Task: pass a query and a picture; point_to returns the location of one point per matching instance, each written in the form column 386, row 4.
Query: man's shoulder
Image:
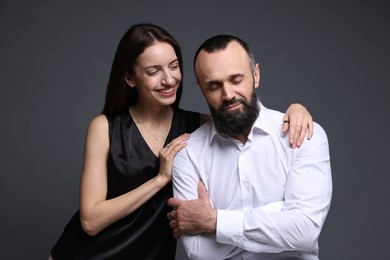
column 269, row 121
column 276, row 119
column 199, row 140
column 274, row 115
column 203, row 132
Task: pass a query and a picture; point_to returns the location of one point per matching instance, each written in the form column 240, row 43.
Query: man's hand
column 192, row 217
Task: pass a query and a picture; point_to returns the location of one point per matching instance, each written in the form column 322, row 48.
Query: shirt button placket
column 244, row 181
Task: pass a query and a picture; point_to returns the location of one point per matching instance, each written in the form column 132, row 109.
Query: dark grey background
column 55, row 58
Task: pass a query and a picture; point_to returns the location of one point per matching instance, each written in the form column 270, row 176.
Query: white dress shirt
column 271, row 200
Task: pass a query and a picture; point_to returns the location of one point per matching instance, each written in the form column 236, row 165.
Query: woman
column 126, row 172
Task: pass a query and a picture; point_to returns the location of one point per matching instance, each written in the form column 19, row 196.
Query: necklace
column 150, row 132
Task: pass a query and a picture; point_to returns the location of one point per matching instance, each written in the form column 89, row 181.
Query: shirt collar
column 263, row 122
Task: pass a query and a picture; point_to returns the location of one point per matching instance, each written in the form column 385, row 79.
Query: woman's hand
column 167, row 154
column 299, row 121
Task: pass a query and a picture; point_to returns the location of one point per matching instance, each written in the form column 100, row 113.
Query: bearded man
column 241, row 191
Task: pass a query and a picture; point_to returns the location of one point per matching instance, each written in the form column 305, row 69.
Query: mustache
column 230, row 102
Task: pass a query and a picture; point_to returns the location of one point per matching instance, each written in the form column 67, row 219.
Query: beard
column 236, row 122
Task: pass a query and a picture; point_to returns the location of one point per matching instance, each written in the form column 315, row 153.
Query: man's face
column 228, row 85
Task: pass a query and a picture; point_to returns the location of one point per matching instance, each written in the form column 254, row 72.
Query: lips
column 167, row 91
column 232, row 106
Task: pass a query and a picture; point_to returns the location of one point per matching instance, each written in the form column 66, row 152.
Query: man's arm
column 295, row 227
column 307, row 198
column 193, row 217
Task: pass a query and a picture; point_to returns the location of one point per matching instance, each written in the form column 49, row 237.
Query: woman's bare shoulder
column 98, row 124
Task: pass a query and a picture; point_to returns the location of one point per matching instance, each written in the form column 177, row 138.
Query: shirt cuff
column 230, row 227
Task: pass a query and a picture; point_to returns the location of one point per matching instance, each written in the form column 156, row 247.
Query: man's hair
column 220, row 42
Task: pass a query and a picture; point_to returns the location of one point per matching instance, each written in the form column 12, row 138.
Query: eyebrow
column 236, row 75
column 157, row 66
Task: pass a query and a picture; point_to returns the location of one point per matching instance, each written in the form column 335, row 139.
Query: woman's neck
column 151, row 115
column 153, row 124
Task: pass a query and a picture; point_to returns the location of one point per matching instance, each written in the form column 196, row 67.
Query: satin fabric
column 144, row 234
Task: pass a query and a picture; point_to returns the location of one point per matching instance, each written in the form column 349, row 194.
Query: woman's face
column 157, row 75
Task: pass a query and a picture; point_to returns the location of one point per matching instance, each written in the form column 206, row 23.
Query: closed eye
column 213, row 86
column 174, row 65
column 236, row 79
column 151, row 71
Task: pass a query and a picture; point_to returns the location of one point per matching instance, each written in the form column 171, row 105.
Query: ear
column 129, row 80
column 257, row 75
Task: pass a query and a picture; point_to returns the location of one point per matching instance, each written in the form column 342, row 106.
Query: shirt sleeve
column 184, row 177
column 297, row 225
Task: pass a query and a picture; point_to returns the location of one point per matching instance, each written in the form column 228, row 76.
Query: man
column 241, row 191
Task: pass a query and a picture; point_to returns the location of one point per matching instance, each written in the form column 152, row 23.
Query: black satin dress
column 145, row 233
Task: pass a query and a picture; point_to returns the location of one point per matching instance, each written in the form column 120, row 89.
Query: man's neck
column 243, row 137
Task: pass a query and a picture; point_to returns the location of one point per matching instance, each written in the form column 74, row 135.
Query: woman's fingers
column 176, row 144
column 168, row 152
column 299, row 125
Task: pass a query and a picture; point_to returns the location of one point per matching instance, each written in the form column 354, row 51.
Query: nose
column 228, row 92
column 167, row 79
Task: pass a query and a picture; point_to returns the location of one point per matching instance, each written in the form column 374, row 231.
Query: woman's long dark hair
column 118, row 95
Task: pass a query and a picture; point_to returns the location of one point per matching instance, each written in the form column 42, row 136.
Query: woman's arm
column 96, row 212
